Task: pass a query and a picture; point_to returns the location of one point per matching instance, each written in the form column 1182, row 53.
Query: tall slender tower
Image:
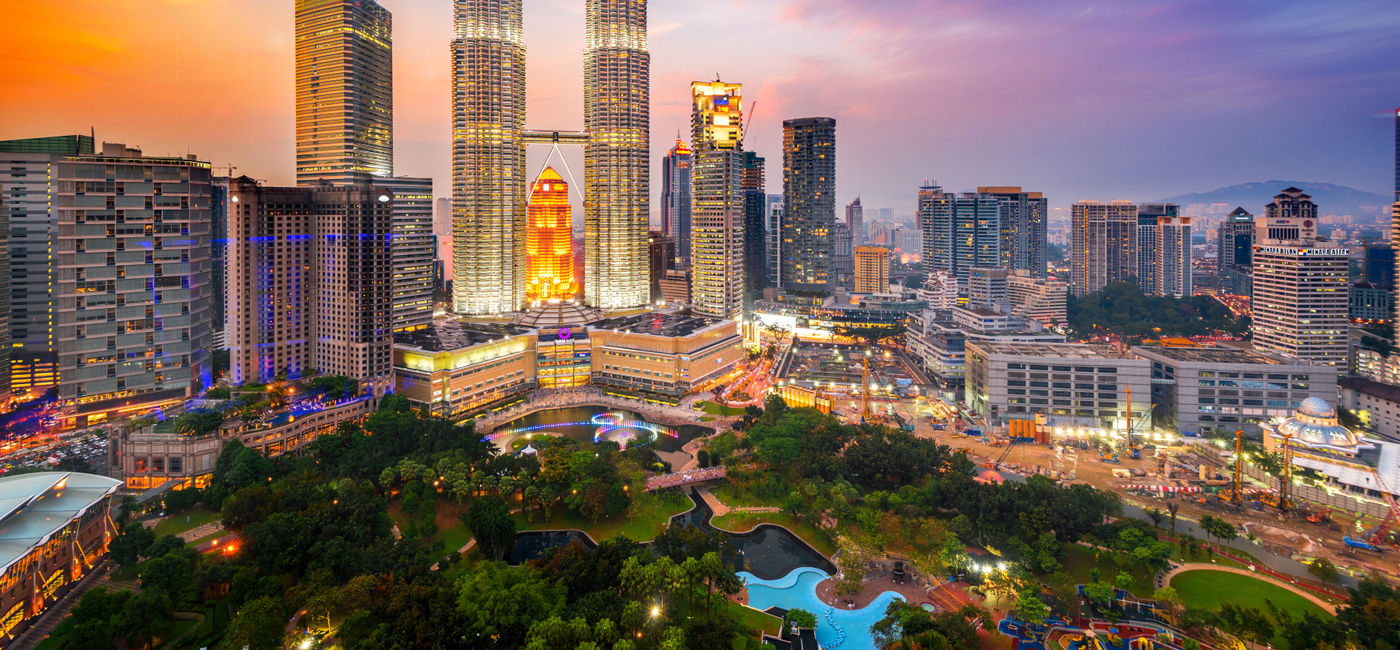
column 717, row 234
column 616, row 115
column 675, row 201
column 809, row 211
column 344, row 91
column 488, row 158
column 550, row 241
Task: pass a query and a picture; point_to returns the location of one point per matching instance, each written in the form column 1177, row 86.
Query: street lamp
column 655, row 611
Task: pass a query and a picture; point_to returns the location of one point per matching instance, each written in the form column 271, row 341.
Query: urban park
column 594, row 526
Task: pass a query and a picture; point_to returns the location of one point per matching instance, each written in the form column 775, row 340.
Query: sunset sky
column 1128, row 99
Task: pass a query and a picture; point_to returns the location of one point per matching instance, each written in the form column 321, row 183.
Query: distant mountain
column 1330, row 199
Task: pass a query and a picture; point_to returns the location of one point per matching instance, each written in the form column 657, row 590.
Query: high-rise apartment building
column 1300, row 301
column 1173, row 249
column 809, row 210
column 1145, row 239
column 131, row 282
column 1102, row 244
column 488, row 157
column 344, row 91
column 774, row 247
column 549, row 245
column 309, row 282
column 872, row 269
column 752, row 183
column 1395, row 213
column 855, row 220
column 676, row 201
column 1291, row 217
column 617, row 171
column 1023, row 234
column 717, row 233
column 30, row 186
column 412, row 245
column 960, row 231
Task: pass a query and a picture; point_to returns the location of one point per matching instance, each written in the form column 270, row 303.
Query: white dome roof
column 1316, row 407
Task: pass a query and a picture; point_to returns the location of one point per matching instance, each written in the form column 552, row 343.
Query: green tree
column 504, row 601
column 127, row 548
column 258, row 625
column 489, row 520
column 802, row 618
column 145, row 618
column 1323, row 569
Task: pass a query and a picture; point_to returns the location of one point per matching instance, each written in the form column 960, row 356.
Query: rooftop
column 657, row 324
column 1373, row 388
column 1051, row 350
column 1215, row 355
column 35, row 506
column 453, row 334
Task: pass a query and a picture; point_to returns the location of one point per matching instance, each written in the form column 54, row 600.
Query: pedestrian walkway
column 200, row 531
column 720, row 509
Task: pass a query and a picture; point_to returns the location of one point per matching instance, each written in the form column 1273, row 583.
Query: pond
column 596, row 424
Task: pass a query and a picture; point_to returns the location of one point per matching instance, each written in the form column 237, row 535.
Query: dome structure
column 1314, row 424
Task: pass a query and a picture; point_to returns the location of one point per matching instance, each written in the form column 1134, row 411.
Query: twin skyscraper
column 489, row 175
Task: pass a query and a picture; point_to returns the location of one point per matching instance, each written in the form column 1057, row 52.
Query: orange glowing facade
column 549, row 240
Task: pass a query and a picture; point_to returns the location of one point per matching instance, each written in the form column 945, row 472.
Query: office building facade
column 752, row 183
column 617, row 168
column 344, row 91
column 412, row 244
column 676, row 201
column 549, row 244
column 843, row 260
column 773, row 250
column 1291, row 217
column 132, row 290
column 1069, row 384
column 1023, row 234
column 1102, row 244
column 809, row 203
column 717, row 215
column 855, row 220
column 309, row 282
column 872, row 269
column 1300, row 302
column 661, row 256
column 1235, row 250
column 488, row 157
column 29, row 185
column 987, row 288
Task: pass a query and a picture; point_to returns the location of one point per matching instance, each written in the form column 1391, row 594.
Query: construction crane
column 1285, row 485
column 1372, row 539
column 1235, row 492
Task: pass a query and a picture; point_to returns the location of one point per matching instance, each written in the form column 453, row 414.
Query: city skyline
column 1207, row 102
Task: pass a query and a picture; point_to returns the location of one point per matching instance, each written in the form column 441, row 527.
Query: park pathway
column 721, row 509
column 1166, row 579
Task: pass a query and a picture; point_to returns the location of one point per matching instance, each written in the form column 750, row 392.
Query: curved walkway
column 548, row 398
column 719, row 508
column 1166, row 579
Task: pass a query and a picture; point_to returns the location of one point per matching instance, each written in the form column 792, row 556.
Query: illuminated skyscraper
column 616, row 115
column 751, row 182
column 488, row 158
column 675, row 201
column 344, row 91
column 412, row 246
column 1023, row 218
column 717, row 233
column 809, row 211
column 549, row 244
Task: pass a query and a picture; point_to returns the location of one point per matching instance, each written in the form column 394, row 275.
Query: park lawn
column 1079, row 560
column 738, row 497
column 739, row 522
column 1210, row 589
column 754, row 619
column 176, row 524
column 719, row 409
column 645, row 519
column 450, row 530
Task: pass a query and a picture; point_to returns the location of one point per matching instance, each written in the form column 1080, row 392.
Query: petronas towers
column 489, row 177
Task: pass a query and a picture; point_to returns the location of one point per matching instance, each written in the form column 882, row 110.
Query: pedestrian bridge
column 688, row 477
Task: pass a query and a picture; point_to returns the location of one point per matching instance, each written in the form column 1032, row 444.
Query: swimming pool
column 836, row 628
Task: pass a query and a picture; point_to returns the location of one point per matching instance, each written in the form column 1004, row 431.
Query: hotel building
column 308, row 282
column 412, row 253
column 1300, row 302
column 872, row 269
column 717, row 240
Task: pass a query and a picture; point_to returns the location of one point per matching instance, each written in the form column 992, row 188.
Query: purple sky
column 1127, row 99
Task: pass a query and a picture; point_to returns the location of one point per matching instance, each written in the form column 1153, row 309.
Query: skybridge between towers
column 535, row 136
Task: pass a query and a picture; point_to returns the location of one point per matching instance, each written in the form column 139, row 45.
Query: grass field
column 1211, row 589
column 647, row 517
column 176, row 523
column 718, row 409
column 1080, row 560
column 739, row 522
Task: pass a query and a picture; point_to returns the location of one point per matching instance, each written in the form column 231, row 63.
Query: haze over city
column 1135, row 100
